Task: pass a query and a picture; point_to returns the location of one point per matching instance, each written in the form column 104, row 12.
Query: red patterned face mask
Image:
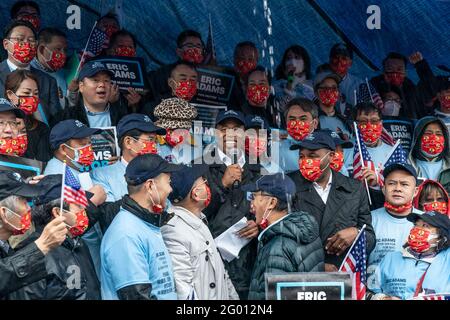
column 57, row 60
column 337, row 161
column 398, row 209
column 395, row 78
column 193, row 55
column 28, row 105
column 419, row 239
column 310, row 168
column 124, row 51
column 149, row 147
column 245, row 66
column 24, row 52
column 186, row 89
column 370, row 132
column 432, row 144
column 328, row 96
column 9, row 146
column 298, row 130
column 174, row 138
column 33, row 19
column 25, row 223
column 82, row 223
column 255, row 146
column 340, row 65
column 84, row 155
column 445, row 102
column 22, row 144
column 440, row 207
column 258, row 94
column 110, row 29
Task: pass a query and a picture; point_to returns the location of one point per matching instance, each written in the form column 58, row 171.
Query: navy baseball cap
column 183, row 180
column 315, row 141
column 321, row 76
column 400, row 166
column 341, row 49
column 91, row 68
column 69, row 129
column 230, row 114
column 140, row 122
column 12, row 184
column 254, row 121
column 338, row 141
column 436, row 219
column 147, row 166
column 5, row 106
column 278, row 185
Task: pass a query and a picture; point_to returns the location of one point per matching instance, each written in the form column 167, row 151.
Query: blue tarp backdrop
column 406, row 26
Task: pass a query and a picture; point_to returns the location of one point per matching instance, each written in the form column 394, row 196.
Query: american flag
column 367, row 93
column 96, row 43
column 356, row 264
column 445, row 296
column 398, row 155
column 72, row 189
column 358, row 152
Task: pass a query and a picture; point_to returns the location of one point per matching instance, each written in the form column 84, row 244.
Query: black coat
column 18, row 269
column 347, row 206
column 63, row 264
column 291, row 245
column 227, row 207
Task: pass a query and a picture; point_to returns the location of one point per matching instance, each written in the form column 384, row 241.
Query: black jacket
column 18, row 269
column 64, row 265
column 117, row 111
column 38, row 143
column 347, row 206
column 227, row 207
column 291, row 245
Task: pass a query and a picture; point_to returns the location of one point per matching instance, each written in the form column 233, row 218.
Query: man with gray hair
column 27, row 265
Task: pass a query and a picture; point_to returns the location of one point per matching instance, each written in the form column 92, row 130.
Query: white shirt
column 323, row 193
column 13, row 67
column 228, row 161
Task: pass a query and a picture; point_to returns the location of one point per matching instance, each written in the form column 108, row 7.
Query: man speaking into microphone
column 229, row 204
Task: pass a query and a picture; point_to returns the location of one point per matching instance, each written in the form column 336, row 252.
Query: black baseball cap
column 230, row 114
column 443, row 83
column 278, row 185
column 5, row 106
column 315, row 141
column 341, row 49
column 69, row 129
column 147, row 166
column 436, row 219
column 400, row 166
column 140, row 122
column 12, row 184
column 255, row 121
column 91, row 68
column 182, row 180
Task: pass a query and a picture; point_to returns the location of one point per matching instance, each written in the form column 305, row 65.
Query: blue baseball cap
column 91, row 68
column 5, row 106
column 315, row 141
column 278, row 185
column 254, row 121
column 182, row 181
column 230, row 114
column 140, row 122
column 400, row 166
column 69, row 129
column 147, row 166
column 341, row 49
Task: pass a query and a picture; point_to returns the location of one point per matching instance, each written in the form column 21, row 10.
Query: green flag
column 71, row 67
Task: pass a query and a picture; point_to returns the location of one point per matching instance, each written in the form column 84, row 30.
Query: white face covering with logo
column 391, row 108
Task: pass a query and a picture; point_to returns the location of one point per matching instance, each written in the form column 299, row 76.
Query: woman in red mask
column 21, row 88
column 432, row 196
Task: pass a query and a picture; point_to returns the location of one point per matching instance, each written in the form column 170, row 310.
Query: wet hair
column 427, row 189
column 20, row 4
column 394, row 55
column 46, row 35
column 305, row 104
column 41, row 215
column 298, row 50
column 185, row 34
column 242, row 45
column 17, row 23
column 122, row 33
column 365, row 107
column 259, row 69
column 181, row 63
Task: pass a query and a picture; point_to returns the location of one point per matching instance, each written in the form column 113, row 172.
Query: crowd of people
column 283, row 161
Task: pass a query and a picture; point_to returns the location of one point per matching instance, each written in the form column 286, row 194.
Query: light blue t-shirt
column 398, row 275
column 56, row 166
column 181, row 154
column 378, row 154
column 99, row 119
column 347, row 87
column 112, row 179
column 286, row 159
column 133, row 252
column 332, row 123
column 429, row 169
column 391, row 234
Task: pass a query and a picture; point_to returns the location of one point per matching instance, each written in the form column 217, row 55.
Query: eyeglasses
column 21, row 40
column 152, row 139
column 12, row 124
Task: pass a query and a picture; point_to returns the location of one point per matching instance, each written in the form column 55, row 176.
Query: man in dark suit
column 339, row 204
column 19, row 40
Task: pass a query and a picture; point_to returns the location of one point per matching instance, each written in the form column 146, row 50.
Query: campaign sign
column 25, row 167
column 402, row 129
column 309, row 286
column 105, row 146
column 128, row 72
column 214, row 85
column 207, row 115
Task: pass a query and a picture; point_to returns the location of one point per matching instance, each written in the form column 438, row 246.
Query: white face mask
column 391, row 108
column 299, row 65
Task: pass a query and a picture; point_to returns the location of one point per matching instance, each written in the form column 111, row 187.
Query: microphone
column 234, row 158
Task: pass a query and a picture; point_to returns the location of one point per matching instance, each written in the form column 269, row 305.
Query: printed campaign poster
column 402, row 129
column 309, row 286
column 25, row 167
column 214, row 85
column 207, row 115
column 128, row 72
column 105, row 147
